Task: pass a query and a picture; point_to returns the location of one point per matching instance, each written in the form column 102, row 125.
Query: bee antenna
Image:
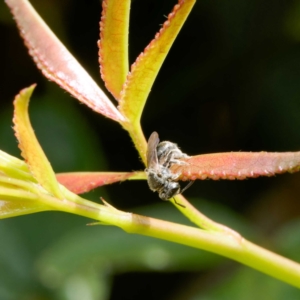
column 187, row 186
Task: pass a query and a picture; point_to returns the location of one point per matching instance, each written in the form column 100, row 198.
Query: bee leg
column 175, row 157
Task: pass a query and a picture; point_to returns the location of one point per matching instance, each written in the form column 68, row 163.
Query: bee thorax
column 160, row 157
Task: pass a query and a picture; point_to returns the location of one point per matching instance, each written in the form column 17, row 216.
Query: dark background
column 231, row 82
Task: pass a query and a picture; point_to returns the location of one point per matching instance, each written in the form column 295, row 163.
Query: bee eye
column 175, row 190
column 163, row 196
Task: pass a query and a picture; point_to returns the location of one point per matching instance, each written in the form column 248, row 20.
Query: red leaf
column 57, row 63
column 237, row 165
column 82, row 182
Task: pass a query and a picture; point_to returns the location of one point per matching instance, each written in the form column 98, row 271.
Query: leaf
column 56, row 62
column 246, row 284
column 17, row 198
column 17, row 188
column 144, row 71
column 14, row 167
column 237, row 165
column 286, row 240
column 9, row 209
column 113, row 44
column 31, row 150
column 83, row 182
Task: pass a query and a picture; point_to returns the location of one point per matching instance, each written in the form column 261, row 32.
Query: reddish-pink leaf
column 57, row 63
column 82, row 182
column 237, row 165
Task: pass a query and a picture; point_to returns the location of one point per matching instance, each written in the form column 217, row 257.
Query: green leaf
column 14, row 208
column 113, row 44
column 146, row 67
column 287, row 239
column 17, row 195
column 31, row 150
column 246, row 284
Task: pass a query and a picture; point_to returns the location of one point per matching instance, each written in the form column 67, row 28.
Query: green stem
column 195, row 216
column 228, row 245
column 136, row 133
column 237, row 249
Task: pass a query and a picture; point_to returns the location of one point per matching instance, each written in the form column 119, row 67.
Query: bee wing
column 153, row 141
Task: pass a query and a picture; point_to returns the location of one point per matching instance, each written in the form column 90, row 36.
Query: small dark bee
column 160, row 157
column 168, row 154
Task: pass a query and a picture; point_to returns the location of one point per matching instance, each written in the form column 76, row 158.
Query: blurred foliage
column 233, row 78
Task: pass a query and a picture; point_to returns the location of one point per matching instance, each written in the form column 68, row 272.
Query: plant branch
column 137, row 136
column 230, row 246
column 196, row 217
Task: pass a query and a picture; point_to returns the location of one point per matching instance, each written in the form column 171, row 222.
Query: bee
column 160, row 157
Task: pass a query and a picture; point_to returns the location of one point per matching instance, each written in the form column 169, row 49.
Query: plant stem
column 200, row 219
column 217, row 240
column 136, row 133
column 228, row 245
